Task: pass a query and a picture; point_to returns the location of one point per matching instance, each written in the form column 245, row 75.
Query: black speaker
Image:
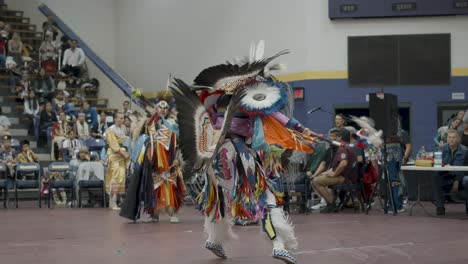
column 383, row 108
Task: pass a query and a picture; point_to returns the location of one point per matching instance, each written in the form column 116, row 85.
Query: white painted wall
column 157, row 37
column 145, row 40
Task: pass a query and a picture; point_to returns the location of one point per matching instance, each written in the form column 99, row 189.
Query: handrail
column 91, row 55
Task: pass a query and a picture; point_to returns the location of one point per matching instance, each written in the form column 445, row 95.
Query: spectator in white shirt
column 73, row 59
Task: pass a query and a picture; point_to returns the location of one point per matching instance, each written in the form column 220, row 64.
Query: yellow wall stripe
column 318, row 75
column 330, row 75
column 460, row 72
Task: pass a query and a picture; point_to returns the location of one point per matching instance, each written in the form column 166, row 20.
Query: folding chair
column 61, row 167
column 4, row 184
column 28, row 168
column 90, row 184
column 95, row 144
column 350, row 191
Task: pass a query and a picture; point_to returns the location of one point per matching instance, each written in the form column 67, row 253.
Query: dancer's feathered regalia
column 228, row 119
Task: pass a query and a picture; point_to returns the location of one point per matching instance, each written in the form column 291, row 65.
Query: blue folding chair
column 4, row 184
column 95, row 144
column 28, row 168
column 61, row 167
column 91, row 184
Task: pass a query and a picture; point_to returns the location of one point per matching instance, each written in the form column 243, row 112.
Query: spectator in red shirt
column 341, row 171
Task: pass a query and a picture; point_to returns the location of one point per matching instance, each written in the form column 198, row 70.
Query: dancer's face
column 162, row 112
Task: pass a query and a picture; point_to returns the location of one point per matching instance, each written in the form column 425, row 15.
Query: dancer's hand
column 307, row 132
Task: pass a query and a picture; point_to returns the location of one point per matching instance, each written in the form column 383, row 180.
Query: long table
column 430, row 171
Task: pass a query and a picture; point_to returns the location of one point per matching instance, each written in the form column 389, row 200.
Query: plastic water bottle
column 421, row 153
column 437, row 159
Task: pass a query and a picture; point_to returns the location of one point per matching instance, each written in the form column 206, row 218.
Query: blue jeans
column 441, row 184
column 393, row 168
column 2, row 60
column 464, row 183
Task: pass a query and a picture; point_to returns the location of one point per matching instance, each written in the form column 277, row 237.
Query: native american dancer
column 157, row 177
column 227, row 121
column 117, row 160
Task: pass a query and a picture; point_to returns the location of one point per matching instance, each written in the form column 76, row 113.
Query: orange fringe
column 275, row 133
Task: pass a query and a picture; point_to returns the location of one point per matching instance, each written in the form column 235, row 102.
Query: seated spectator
column 81, row 127
column 453, row 153
column 91, row 115
column 128, row 126
column 340, row 172
column 63, row 45
column 460, row 116
column 60, row 132
column 13, row 80
column 50, row 28
column 31, row 110
column 441, row 137
column 48, row 118
column 2, row 30
column 81, row 155
column 15, row 48
column 102, row 126
column 44, row 85
column 85, row 167
column 126, row 111
column 59, row 101
column 4, row 124
column 71, row 145
column 464, row 140
column 320, row 161
column 3, row 43
column 27, row 155
column 340, row 122
column 73, row 60
column 48, row 49
column 8, row 157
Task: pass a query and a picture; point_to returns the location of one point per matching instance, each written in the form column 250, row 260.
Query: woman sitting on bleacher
column 44, row 85
column 15, row 48
column 60, row 132
column 81, row 127
column 48, row 50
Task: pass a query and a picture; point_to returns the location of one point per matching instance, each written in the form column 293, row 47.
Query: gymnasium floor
column 66, row 236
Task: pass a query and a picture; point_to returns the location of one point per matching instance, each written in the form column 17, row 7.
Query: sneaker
column 318, row 206
column 150, row 219
column 401, row 210
column 216, row 249
column 284, row 256
column 244, row 222
column 174, row 220
column 330, row 208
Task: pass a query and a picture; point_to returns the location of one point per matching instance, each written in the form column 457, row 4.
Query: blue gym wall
column 423, row 101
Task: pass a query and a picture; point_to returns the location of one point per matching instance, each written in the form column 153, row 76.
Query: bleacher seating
column 31, row 35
